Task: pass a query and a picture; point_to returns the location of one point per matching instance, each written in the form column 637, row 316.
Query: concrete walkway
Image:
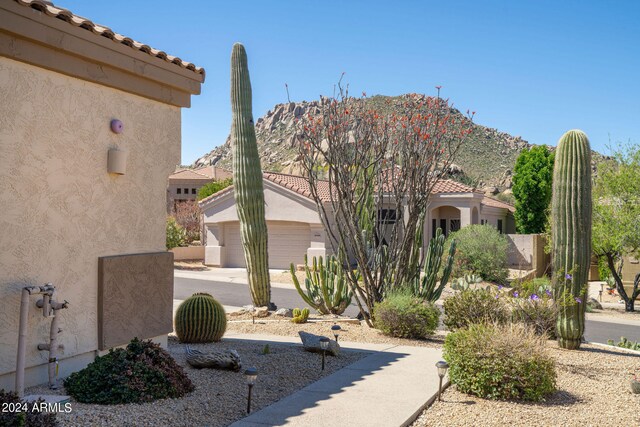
column 389, row 387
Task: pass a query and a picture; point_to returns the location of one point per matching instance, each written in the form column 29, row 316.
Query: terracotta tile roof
column 206, row 173
column 50, row 9
column 450, row 186
column 189, row 174
column 299, row 184
column 495, row 203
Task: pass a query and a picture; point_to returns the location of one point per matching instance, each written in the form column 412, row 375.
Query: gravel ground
column 220, row 396
column 350, row 332
column 593, row 390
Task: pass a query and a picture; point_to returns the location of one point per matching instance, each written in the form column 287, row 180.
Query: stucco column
column 465, row 216
column 214, row 251
column 317, row 246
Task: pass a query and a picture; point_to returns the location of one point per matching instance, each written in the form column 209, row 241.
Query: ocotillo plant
column 571, row 234
column 247, row 180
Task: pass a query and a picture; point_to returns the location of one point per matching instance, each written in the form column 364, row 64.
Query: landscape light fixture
column 442, row 371
column 336, row 331
column 324, row 345
column 250, row 375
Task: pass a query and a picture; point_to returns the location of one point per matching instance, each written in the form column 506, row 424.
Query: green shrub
column 176, row 235
column 500, row 362
column 538, row 286
column 213, row 187
column 474, row 306
column 537, row 312
column 481, row 250
column 404, row 316
column 142, row 372
column 21, row 413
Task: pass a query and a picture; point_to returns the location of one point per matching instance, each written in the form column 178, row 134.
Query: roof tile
column 50, row 9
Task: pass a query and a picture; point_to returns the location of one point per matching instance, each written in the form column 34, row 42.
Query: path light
column 250, row 375
column 324, row 345
column 442, row 371
column 336, row 331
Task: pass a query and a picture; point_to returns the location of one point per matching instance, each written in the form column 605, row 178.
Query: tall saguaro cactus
column 571, row 234
column 247, row 180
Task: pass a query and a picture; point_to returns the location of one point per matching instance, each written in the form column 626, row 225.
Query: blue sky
column 529, row 68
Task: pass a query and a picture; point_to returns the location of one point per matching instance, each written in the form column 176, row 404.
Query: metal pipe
column 22, row 339
column 53, row 351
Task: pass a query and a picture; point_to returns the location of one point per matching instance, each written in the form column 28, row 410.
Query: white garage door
column 288, row 243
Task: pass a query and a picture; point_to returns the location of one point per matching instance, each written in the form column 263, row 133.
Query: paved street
column 237, row 294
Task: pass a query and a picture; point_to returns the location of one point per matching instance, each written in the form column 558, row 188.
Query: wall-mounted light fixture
column 117, row 161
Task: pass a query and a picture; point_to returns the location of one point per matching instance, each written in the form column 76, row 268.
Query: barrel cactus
column 200, row 318
column 247, row 180
column 571, row 234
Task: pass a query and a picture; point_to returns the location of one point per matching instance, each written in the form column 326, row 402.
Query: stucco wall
column 61, row 210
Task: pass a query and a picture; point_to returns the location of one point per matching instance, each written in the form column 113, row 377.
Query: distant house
column 295, row 228
column 184, row 184
column 89, row 132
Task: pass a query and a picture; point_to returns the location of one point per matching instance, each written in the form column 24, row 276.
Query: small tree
column 379, row 162
column 616, row 215
column 188, row 217
column 532, row 181
column 213, row 187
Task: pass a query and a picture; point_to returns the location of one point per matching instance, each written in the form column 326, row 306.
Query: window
column 387, row 216
column 443, row 225
column 186, row 191
column 179, row 191
column 193, row 191
column 483, row 221
column 454, row 225
column 434, row 226
column 500, row 226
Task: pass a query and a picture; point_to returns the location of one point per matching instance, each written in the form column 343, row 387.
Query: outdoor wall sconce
column 251, row 375
column 324, row 345
column 336, row 331
column 117, row 161
column 442, row 371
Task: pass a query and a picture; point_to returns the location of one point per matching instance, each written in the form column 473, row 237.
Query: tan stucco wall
column 61, row 210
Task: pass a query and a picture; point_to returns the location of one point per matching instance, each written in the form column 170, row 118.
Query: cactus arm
column 296, row 283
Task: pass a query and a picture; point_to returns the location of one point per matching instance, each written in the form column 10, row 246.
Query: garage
column 288, row 242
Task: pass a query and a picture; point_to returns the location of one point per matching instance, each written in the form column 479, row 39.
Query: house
column 89, row 132
column 185, row 183
column 295, row 228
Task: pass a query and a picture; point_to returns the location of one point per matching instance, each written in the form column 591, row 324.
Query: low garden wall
column 526, row 252
column 188, row 253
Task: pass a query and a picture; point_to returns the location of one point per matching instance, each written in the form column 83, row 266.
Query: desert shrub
column 15, row 412
column 500, row 362
column 481, row 250
column 176, row 235
column 404, row 316
column 537, row 312
column 142, row 372
column 187, row 215
column 213, row 187
column 539, row 286
column 474, row 306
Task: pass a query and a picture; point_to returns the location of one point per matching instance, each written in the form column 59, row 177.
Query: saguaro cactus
column 571, row 234
column 247, row 180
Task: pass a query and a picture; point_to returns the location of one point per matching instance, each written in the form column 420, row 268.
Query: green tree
column 532, row 178
column 616, row 214
column 213, row 187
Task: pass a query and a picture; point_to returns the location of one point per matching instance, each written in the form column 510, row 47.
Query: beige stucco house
column 295, row 228
column 98, row 237
column 184, row 184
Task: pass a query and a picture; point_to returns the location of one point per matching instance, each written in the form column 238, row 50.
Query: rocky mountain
column 485, row 160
